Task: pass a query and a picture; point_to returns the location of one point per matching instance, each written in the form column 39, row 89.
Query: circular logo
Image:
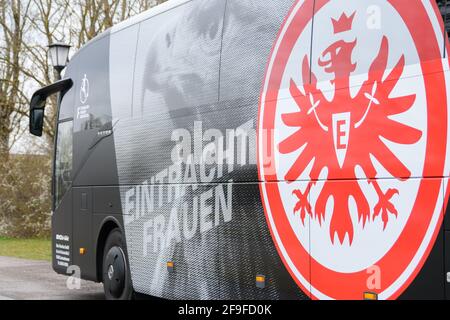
column 352, row 144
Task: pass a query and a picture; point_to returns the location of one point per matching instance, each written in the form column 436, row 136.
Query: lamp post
column 59, row 56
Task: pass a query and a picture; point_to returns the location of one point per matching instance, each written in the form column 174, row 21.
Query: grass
column 35, row 249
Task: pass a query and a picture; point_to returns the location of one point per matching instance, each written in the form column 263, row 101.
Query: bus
column 241, row 149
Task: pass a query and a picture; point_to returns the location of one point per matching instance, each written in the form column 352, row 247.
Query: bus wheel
column 116, row 274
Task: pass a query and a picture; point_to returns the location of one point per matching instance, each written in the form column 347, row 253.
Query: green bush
column 25, row 196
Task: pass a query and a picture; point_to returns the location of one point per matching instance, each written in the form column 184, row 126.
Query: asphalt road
column 35, row 280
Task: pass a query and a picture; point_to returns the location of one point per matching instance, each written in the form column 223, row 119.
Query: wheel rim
column 115, row 272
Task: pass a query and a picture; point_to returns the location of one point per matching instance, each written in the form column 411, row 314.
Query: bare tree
column 49, row 20
column 13, row 27
column 75, row 22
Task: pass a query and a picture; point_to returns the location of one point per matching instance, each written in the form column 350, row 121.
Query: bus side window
column 178, row 56
column 121, row 68
column 92, row 95
column 444, row 7
column 63, row 160
column 67, row 100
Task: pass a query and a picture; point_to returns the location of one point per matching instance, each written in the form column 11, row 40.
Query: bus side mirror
column 36, row 122
column 37, row 104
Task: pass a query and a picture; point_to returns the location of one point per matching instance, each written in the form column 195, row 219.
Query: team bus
column 242, row 149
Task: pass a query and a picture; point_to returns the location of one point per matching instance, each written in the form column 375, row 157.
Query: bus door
column 62, row 181
column 62, row 196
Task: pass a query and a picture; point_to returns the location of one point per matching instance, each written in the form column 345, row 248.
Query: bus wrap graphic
column 353, row 144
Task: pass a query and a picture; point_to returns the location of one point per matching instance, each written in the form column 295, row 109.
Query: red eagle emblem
column 353, row 140
column 352, row 126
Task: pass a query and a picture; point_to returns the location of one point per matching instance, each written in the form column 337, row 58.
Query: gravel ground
column 22, row 279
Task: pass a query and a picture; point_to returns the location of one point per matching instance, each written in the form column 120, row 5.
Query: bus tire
column 116, row 273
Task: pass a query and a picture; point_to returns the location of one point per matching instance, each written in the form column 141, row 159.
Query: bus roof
column 166, row 6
